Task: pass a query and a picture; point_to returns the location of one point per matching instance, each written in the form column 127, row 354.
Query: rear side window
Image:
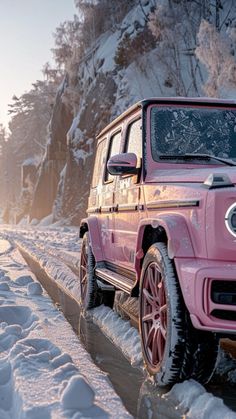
column 99, row 161
column 114, row 148
column 134, row 139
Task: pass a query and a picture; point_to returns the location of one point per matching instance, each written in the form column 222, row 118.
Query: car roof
column 181, row 100
column 130, row 110
column 168, row 101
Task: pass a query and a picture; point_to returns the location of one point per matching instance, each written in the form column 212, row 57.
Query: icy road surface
column 50, row 249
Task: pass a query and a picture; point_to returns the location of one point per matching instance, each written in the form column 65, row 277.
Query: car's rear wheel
column 88, row 284
column 173, row 351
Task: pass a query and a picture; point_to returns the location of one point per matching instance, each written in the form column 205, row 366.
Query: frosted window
column 178, row 131
column 134, row 140
column 99, row 163
column 114, row 148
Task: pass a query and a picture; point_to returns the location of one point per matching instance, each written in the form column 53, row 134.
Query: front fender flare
column 179, row 240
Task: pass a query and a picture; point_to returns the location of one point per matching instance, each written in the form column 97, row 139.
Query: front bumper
column 209, row 310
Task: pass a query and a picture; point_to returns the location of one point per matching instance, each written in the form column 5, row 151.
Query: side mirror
column 123, row 164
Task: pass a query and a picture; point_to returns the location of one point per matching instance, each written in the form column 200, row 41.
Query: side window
column 134, row 139
column 114, row 148
column 98, row 166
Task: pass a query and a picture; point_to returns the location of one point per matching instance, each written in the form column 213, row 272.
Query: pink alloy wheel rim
column 154, row 314
column 84, row 271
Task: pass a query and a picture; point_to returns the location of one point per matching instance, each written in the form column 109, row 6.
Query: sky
column 26, row 39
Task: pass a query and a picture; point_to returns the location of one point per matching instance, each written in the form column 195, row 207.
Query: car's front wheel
column 173, row 351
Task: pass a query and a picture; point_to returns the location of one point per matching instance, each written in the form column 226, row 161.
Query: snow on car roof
column 167, row 100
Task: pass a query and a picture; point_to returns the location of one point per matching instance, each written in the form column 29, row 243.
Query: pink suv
column 161, row 226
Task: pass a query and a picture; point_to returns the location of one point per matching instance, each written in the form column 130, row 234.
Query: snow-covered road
column 48, row 369
column 44, row 370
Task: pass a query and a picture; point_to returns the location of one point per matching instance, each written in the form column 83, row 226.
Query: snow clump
column 78, row 394
column 34, row 289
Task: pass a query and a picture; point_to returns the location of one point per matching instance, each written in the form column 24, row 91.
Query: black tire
column 90, row 297
column 172, row 349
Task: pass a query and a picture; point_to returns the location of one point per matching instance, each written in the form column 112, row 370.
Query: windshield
column 177, row 131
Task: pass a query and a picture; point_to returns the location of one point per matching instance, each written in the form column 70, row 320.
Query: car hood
column 193, row 175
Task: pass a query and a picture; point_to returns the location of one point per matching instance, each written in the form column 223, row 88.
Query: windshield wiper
column 196, row 157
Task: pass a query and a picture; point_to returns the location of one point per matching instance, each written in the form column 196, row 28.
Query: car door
column 126, row 199
column 94, row 201
column 107, row 198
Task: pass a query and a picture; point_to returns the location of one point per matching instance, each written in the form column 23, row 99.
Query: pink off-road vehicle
column 161, row 226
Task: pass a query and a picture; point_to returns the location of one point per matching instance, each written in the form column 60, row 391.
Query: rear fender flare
column 95, row 237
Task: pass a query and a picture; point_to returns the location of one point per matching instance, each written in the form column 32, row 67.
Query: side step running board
column 104, row 286
column 119, row 281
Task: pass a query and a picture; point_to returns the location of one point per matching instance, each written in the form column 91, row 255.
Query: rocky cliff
column 54, row 159
column 138, row 57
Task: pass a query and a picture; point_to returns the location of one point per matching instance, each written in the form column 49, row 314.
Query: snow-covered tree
column 30, row 115
column 3, row 163
column 67, row 39
column 214, row 51
column 101, row 15
column 175, row 26
column 191, row 33
column 3, row 139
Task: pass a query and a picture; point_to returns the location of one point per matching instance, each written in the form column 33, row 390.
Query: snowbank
column 44, row 370
column 120, row 333
column 54, row 262
column 192, row 397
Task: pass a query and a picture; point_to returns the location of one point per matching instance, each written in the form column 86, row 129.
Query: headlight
column 230, row 219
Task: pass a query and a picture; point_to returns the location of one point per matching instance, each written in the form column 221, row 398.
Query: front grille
column 223, row 292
